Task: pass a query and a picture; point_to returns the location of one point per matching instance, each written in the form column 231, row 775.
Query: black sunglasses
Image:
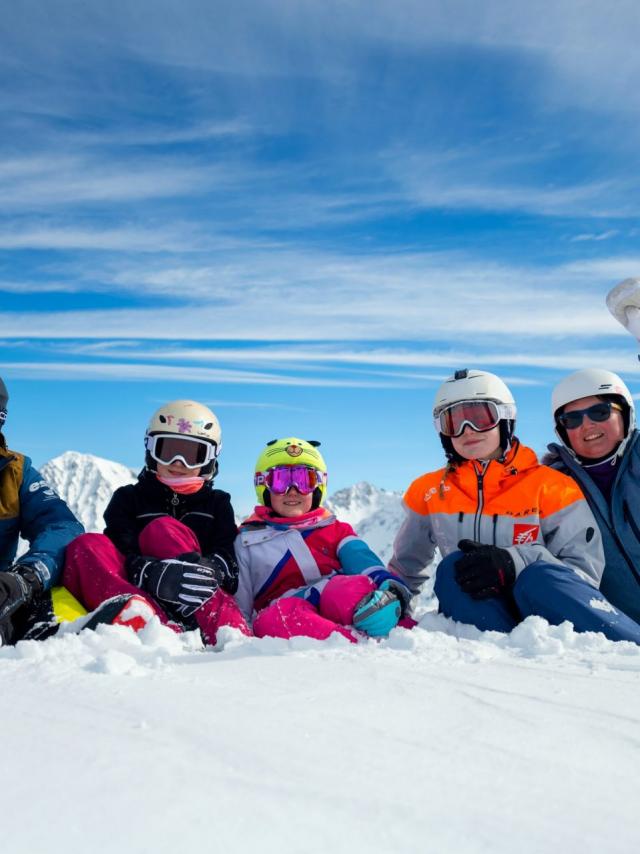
column 597, row 412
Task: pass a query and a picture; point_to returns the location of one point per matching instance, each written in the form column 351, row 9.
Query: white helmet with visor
column 478, row 399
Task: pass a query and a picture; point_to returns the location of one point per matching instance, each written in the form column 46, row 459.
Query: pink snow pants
column 291, row 616
column 95, row 570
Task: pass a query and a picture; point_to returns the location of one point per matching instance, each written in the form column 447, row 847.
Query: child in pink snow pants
column 302, row 572
column 169, row 537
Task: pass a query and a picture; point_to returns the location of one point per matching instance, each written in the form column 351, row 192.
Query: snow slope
column 422, row 743
column 442, row 739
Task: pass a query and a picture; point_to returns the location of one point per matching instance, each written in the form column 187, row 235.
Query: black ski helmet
column 4, row 399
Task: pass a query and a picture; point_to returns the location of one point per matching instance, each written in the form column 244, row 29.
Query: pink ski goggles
column 280, row 479
column 480, row 415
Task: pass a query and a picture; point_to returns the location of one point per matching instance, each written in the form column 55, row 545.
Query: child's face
column 176, row 469
column 478, row 446
column 292, row 503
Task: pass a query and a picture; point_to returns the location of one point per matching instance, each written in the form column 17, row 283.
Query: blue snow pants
column 547, row 590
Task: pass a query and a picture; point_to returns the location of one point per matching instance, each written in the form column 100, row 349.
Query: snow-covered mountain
column 376, row 514
column 87, row 483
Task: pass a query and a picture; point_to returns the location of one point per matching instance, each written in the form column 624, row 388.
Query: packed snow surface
column 440, row 739
column 434, row 740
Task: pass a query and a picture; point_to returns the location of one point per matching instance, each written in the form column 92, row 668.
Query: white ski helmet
column 592, row 382
column 190, row 419
column 472, row 385
column 475, row 385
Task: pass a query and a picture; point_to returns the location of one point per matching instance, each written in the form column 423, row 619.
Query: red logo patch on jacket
column 523, row 534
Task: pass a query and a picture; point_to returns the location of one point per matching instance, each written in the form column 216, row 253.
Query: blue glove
column 377, row 613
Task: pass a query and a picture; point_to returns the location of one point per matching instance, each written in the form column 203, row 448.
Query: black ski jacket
column 208, row 513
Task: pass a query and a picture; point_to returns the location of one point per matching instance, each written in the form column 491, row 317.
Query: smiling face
column 292, row 503
column 595, row 439
column 478, row 446
column 176, row 469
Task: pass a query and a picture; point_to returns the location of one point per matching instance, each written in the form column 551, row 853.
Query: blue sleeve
column 47, row 523
column 357, row 559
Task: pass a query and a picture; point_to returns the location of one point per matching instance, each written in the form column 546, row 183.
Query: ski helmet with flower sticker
column 4, row 399
column 290, row 452
column 191, row 420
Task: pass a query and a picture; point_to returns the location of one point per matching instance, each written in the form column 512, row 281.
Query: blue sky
column 307, row 214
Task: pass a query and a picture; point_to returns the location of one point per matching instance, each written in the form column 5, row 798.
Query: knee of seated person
column 342, row 594
column 539, row 574
column 446, row 575
column 270, row 619
column 88, row 544
column 164, row 524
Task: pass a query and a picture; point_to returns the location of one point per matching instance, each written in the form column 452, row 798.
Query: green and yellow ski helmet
column 290, row 452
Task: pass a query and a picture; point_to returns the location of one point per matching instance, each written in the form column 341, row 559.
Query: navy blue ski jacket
column 30, row 508
column 619, row 522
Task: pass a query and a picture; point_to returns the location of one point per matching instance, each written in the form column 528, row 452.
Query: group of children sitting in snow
column 515, row 537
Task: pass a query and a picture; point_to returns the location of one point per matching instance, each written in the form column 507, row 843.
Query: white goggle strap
column 212, row 450
column 506, row 411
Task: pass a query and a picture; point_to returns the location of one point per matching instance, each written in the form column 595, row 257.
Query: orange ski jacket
column 533, row 511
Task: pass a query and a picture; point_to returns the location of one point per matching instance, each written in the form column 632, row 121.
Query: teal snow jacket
column 618, row 520
column 30, row 508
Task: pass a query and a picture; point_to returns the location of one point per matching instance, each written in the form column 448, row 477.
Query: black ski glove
column 186, row 585
column 18, row 586
column 484, row 571
column 223, row 564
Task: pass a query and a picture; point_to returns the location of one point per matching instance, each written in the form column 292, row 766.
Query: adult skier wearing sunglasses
column 516, row 538
column 302, row 572
column 594, row 417
column 169, row 537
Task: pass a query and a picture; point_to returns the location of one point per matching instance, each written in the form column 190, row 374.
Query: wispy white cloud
column 603, row 235
column 539, row 354
column 122, row 238
column 63, row 180
column 68, row 371
column 389, row 361
column 478, row 179
column 292, row 295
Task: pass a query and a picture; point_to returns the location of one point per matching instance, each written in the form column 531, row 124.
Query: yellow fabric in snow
column 65, row 606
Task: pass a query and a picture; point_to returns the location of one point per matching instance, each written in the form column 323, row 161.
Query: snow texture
column 442, row 739
column 438, row 739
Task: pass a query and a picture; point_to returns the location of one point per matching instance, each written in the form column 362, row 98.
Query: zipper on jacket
column 478, row 516
column 174, row 503
column 495, row 522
